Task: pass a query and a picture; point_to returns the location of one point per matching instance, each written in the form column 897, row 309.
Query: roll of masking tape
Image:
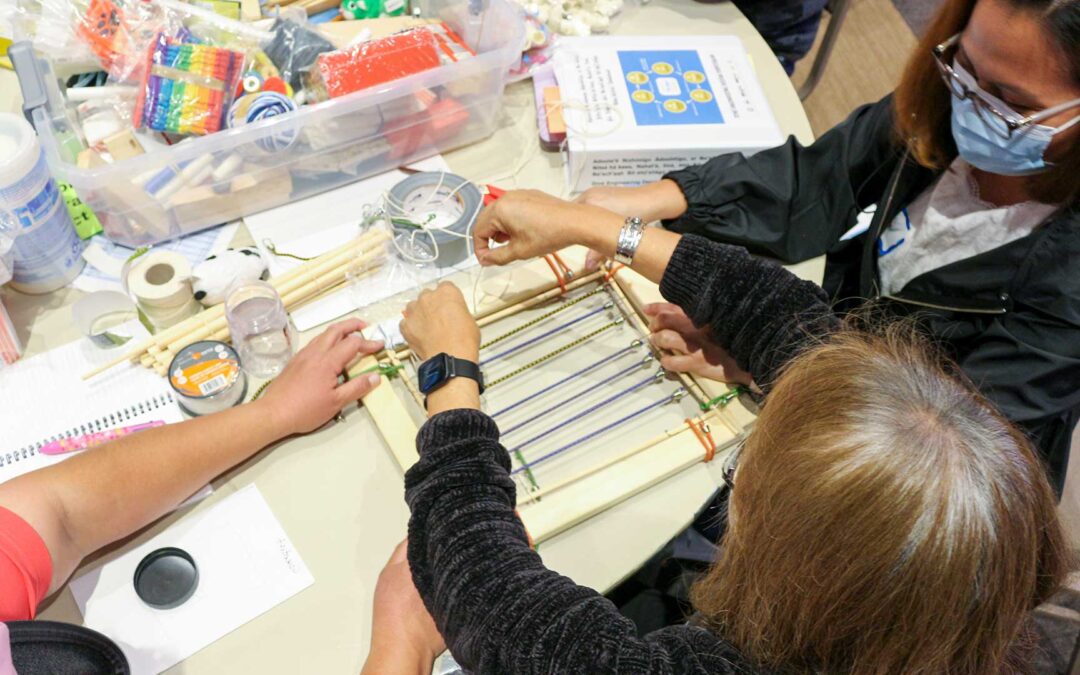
column 98, row 314
column 160, row 282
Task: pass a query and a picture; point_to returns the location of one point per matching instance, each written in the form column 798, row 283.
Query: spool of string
column 160, row 282
column 265, row 105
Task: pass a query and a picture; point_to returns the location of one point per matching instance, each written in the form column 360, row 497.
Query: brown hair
column 885, row 518
column 923, row 105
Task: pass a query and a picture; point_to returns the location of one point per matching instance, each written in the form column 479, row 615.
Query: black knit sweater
column 499, row 608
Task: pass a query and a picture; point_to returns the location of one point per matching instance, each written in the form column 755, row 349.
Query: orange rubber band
column 704, row 437
column 614, row 269
column 567, row 272
column 558, row 275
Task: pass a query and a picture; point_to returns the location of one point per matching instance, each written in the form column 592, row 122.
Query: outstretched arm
column 758, row 311
column 107, row 493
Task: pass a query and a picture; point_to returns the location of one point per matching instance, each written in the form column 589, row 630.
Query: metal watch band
column 629, row 239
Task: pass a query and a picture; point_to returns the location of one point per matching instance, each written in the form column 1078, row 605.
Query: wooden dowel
column 211, row 321
column 369, row 238
column 551, row 294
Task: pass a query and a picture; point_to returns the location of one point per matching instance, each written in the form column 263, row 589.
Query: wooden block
column 89, row 159
column 553, row 110
column 123, row 145
column 248, row 193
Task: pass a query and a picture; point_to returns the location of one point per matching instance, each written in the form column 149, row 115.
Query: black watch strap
column 465, row 368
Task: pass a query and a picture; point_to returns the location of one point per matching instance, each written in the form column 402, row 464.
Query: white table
column 338, row 493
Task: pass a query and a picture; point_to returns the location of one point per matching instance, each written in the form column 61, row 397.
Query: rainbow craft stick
column 75, row 443
column 188, row 86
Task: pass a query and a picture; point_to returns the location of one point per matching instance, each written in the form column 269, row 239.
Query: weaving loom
column 586, row 412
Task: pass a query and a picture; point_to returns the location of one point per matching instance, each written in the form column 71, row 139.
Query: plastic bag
column 187, row 87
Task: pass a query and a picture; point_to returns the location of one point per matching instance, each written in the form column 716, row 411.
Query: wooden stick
column 508, row 311
column 547, row 489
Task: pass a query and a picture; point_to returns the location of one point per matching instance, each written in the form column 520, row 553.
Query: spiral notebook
column 44, row 398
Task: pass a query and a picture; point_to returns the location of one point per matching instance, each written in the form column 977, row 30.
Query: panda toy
column 212, row 277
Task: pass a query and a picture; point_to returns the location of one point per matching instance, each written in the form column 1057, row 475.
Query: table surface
column 338, row 492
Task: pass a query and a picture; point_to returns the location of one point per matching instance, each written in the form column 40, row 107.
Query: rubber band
column 704, row 437
column 567, row 272
column 613, row 271
column 558, row 276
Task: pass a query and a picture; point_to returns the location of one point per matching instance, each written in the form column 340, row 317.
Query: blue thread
column 583, row 414
column 536, row 339
column 607, row 359
column 592, row 434
column 560, row 404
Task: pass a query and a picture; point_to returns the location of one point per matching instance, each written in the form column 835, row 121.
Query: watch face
column 431, row 374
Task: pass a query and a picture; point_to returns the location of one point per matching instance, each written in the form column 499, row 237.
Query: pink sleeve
column 25, row 568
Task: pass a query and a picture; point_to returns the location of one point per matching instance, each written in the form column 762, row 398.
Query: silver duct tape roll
column 444, row 205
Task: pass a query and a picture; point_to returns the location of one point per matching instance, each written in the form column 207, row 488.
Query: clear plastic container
column 295, row 155
column 261, row 330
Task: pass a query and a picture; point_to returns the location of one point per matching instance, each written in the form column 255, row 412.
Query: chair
column 838, row 10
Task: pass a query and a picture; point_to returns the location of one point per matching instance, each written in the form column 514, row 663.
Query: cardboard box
column 638, row 107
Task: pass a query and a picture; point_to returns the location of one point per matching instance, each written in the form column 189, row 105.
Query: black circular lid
column 166, row 578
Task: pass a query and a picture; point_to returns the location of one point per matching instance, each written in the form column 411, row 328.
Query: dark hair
column 923, row 105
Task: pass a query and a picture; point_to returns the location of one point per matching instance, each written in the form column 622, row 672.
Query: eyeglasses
column 730, row 464
column 995, row 113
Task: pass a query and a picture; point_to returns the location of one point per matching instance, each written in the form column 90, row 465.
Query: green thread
column 262, row 388
column 273, row 249
column 723, row 399
column 540, row 318
column 551, row 355
column 528, row 470
column 385, row 369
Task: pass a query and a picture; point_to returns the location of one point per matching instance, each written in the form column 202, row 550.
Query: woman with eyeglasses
column 884, row 517
column 973, row 164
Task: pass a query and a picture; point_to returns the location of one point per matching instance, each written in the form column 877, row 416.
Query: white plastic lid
column 19, row 148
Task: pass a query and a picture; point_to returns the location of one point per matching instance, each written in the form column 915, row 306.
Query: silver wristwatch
column 629, row 239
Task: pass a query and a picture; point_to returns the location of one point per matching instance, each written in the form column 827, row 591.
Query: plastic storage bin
column 293, row 156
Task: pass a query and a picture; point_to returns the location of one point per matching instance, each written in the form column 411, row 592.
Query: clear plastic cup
column 262, row 332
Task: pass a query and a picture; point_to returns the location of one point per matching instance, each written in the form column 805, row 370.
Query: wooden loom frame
column 608, row 482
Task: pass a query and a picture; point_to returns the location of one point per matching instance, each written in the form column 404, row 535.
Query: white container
column 336, row 142
column 47, row 252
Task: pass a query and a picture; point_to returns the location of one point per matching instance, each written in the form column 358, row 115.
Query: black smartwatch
column 441, row 368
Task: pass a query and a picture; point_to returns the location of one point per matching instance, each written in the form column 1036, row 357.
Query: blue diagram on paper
column 668, row 88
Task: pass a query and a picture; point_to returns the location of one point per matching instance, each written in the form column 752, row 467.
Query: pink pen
column 90, row 440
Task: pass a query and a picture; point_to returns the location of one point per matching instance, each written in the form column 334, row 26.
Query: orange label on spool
column 204, row 369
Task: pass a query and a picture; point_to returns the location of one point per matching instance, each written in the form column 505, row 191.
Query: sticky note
column 86, row 223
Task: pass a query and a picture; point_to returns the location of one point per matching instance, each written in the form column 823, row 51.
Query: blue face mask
column 981, row 138
column 985, row 147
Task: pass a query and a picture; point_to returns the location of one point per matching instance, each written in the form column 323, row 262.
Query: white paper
column 247, row 565
column 45, row 396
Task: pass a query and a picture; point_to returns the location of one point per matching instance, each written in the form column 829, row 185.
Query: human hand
column 652, row 201
column 532, row 223
column 404, row 638
column 308, row 393
column 695, row 352
column 439, row 321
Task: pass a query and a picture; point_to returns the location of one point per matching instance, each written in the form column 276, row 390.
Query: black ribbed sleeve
column 499, row 608
column 758, row 311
